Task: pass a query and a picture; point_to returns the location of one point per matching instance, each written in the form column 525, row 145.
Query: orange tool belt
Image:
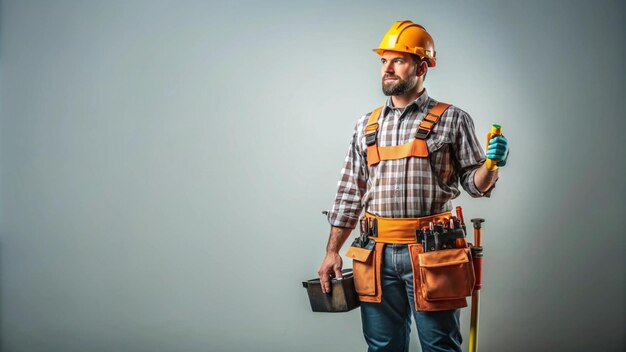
column 402, row 230
column 442, row 279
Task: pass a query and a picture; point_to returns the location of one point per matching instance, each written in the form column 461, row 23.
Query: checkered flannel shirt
column 410, row 187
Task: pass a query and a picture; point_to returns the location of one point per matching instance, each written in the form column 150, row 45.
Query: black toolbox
column 342, row 298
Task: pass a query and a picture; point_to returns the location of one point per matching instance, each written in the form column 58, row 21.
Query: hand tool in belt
column 440, row 237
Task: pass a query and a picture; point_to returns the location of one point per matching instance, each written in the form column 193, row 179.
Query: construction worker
column 401, row 164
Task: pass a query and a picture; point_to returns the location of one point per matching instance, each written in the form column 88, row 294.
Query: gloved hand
column 498, row 150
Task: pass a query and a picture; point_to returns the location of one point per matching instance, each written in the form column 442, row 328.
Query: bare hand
column 331, row 267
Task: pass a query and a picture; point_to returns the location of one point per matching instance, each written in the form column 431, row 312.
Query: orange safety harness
column 441, row 278
column 415, row 148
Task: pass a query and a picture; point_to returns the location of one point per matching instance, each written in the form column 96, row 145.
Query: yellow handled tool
column 477, row 258
column 496, row 130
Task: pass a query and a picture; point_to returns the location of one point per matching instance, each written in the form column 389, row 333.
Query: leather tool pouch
column 446, row 274
column 364, row 270
column 442, row 279
column 363, row 266
column 361, row 252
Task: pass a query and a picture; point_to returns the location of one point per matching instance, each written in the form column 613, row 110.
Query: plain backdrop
column 164, row 165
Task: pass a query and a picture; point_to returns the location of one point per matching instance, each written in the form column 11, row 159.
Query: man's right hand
column 331, row 267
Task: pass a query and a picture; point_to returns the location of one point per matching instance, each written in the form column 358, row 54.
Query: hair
column 416, row 58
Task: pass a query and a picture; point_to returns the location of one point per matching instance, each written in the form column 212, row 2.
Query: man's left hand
column 498, row 150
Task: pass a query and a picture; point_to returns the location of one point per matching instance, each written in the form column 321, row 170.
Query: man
column 405, row 161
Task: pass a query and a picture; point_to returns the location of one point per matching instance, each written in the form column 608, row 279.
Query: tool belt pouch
column 364, row 270
column 442, row 279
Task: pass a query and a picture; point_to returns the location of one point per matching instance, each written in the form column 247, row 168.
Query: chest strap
column 415, row 148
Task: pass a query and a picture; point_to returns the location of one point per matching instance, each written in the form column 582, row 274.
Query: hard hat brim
column 432, row 62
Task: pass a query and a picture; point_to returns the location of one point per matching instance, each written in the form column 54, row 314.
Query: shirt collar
column 420, row 103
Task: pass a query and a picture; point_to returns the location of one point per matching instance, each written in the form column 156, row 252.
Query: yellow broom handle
column 473, row 334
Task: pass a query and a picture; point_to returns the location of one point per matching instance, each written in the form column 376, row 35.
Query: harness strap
column 431, row 118
column 415, row 148
column 371, row 130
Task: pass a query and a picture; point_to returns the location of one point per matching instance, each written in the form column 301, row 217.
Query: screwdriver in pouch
column 431, row 227
column 424, row 241
column 459, row 214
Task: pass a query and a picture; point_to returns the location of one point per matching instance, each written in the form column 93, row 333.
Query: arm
column 352, row 184
column 485, row 179
column 332, row 263
column 470, row 157
column 344, row 214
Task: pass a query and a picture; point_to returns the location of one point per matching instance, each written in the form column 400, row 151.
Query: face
column 398, row 71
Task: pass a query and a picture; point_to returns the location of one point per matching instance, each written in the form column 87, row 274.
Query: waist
column 402, row 230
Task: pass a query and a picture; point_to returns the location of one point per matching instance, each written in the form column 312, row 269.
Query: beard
column 399, row 87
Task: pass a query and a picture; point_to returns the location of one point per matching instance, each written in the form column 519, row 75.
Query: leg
column 387, row 325
column 438, row 331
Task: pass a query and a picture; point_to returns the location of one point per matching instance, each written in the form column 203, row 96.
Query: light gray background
column 163, row 166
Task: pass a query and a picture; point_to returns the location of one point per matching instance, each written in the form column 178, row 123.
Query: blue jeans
column 387, row 325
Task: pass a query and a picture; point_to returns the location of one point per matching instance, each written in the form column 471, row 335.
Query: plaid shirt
column 410, row 187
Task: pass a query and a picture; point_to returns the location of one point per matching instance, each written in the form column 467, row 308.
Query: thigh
column 439, row 331
column 387, row 325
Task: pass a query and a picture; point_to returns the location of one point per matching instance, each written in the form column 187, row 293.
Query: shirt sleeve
column 351, row 186
column 469, row 155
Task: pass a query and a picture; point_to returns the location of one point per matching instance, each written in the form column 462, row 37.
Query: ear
column 422, row 67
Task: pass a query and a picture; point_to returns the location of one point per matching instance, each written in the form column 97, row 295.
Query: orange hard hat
column 409, row 37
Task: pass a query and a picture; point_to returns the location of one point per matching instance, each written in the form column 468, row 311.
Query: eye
column 398, row 61
column 382, row 61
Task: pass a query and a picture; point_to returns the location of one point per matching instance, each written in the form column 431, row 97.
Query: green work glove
column 498, row 150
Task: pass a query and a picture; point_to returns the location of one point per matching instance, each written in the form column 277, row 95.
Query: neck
column 401, row 101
